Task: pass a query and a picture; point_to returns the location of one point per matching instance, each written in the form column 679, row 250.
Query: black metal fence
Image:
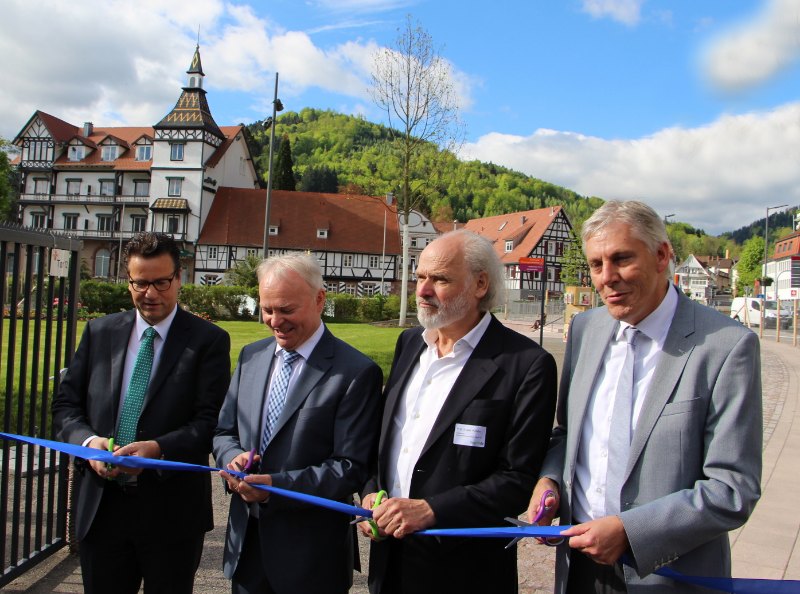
column 38, row 298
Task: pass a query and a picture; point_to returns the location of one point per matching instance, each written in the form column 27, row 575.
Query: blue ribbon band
column 732, row 585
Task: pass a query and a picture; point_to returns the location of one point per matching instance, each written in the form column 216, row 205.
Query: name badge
column 470, row 435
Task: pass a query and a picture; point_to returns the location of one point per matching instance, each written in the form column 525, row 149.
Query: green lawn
column 375, row 342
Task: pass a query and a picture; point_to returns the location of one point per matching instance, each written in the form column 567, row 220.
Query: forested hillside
column 333, row 152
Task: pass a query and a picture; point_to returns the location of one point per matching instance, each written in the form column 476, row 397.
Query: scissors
column 543, row 508
column 376, row 535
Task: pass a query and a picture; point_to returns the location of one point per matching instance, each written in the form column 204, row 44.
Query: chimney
column 522, row 220
column 88, row 128
column 389, row 198
column 727, row 253
column 552, row 211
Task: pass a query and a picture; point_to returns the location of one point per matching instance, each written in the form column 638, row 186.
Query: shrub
column 104, row 298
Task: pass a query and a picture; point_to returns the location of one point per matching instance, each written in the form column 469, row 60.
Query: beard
column 446, row 313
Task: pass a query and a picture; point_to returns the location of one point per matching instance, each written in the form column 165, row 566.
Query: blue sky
column 692, row 107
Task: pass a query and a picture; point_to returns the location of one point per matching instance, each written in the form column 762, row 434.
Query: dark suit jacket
column 321, row 444
column 508, row 386
column 695, row 462
column 180, row 412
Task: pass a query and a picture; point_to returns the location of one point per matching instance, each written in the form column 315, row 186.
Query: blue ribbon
column 732, row 585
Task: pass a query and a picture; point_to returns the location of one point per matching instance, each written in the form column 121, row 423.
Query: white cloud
column 717, row 177
column 627, row 12
column 753, row 51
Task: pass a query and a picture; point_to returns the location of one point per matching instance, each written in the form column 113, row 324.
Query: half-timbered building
column 542, row 233
column 104, row 184
column 356, row 239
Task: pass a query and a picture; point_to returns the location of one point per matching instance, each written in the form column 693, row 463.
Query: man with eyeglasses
column 154, row 379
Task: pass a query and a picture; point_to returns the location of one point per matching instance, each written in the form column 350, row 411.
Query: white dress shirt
column 589, row 493
column 422, row 400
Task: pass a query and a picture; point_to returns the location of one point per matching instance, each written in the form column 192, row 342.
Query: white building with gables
column 104, row 184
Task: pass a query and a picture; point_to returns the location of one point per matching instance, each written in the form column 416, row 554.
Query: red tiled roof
column 230, row 133
column 445, row 226
column 355, row 223
column 524, row 228
column 788, row 245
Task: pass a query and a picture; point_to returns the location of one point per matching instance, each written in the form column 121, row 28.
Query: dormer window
column 109, row 152
column 144, row 152
column 76, row 152
column 273, row 229
column 322, row 234
column 509, row 246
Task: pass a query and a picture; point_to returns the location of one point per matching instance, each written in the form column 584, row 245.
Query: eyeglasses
column 160, row 284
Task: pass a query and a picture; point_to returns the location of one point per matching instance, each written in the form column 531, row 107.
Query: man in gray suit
column 308, row 404
column 656, row 453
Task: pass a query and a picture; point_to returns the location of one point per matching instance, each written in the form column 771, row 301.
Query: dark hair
column 151, row 245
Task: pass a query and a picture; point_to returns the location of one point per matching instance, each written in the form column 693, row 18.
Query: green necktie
column 134, row 399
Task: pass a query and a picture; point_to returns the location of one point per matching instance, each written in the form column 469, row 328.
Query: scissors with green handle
column 376, row 535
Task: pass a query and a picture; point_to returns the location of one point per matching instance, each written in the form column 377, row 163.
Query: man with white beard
column 469, row 405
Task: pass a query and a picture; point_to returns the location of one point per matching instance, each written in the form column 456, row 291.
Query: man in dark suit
column 138, row 525
column 468, row 408
column 688, row 467
column 308, row 404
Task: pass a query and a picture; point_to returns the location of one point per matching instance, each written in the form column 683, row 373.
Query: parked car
column 747, row 310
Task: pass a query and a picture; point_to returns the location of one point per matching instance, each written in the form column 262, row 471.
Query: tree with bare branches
column 415, row 86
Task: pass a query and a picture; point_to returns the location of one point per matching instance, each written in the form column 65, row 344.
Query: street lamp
column 276, row 107
column 668, row 217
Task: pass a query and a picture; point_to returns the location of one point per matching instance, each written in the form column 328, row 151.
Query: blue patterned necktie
column 134, row 399
column 277, row 395
column 619, row 438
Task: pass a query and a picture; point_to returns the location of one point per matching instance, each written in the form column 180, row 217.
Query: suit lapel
column 174, row 345
column 406, row 362
column 477, row 370
column 315, row 368
column 677, row 347
column 593, row 344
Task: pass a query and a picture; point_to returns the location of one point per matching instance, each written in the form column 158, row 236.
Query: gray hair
column 479, row 256
column 644, row 222
column 302, row 263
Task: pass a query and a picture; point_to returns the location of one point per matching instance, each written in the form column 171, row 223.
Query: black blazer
column 508, row 386
column 180, row 412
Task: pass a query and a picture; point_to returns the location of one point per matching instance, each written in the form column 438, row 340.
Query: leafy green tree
column 9, row 184
column 574, row 268
column 243, row 274
column 284, row 167
column 750, row 263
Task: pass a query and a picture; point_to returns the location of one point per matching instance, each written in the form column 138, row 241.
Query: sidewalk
column 766, row 547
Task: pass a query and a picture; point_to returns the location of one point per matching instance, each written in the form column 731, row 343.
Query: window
column 175, row 186
column 41, row 186
column 322, row 234
column 70, row 221
column 350, row 289
column 138, row 223
column 39, row 220
column 102, row 260
column 347, row 260
column 105, row 222
column 144, row 152
column 551, row 248
column 509, row 246
column 273, row 230
column 172, row 224
column 141, row 187
column 371, row 289
column 106, row 187
column 76, row 152
column 374, row 261
column 73, row 187
column 108, row 152
column 559, row 248
column 252, row 252
column 176, row 151
column 38, row 151
column 212, row 252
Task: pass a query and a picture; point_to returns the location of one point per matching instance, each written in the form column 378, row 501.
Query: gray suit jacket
column 695, row 465
column 321, row 445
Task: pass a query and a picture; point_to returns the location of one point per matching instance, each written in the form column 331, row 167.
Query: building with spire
column 104, row 184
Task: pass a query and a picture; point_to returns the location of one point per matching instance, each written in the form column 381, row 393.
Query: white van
column 747, row 310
